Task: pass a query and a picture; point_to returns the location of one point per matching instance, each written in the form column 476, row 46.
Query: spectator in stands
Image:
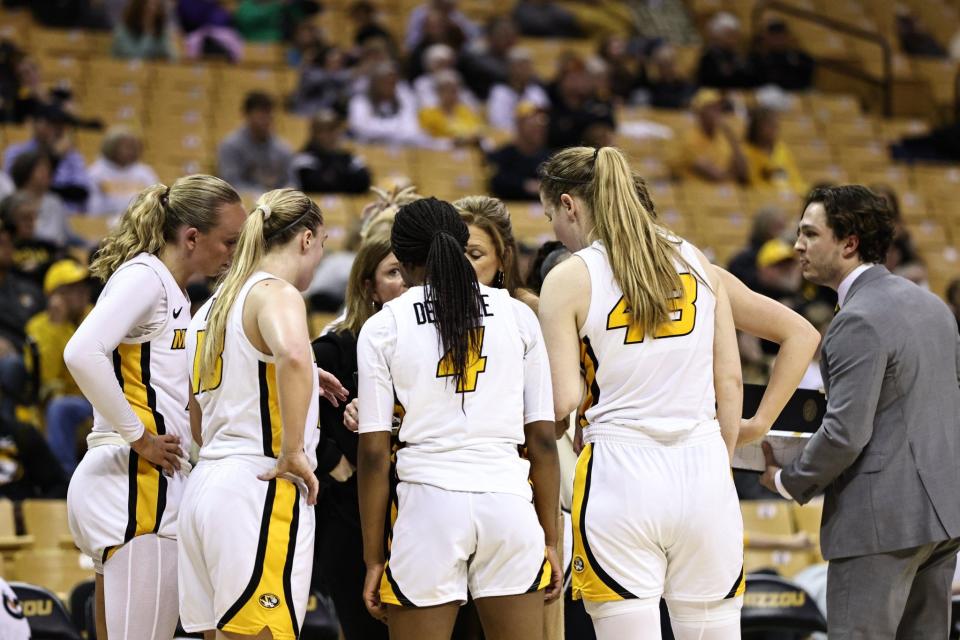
column 513, row 168
column 306, row 44
column 438, row 29
column 194, row 15
column 548, row 255
column 485, row 62
column 373, row 53
column 363, row 13
column 521, row 86
column 722, row 63
column 778, row 273
column 667, row 88
column 768, row 223
column 20, row 300
column 451, row 119
column 953, row 299
column 32, row 255
column 27, row 467
column 574, row 105
column 384, row 113
column 545, row 18
column 438, row 57
column 69, row 172
column 902, row 252
column 260, row 20
column 778, row 59
column 447, row 9
column 711, row 151
column 20, row 86
column 68, row 302
column 915, row 38
column 117, row 176
column 252, row 158
column 323, row 166
column 622, row 67
column 769, row 161
column 325, row 83
column 144, row 32
column 209, row 31
column 31, row 173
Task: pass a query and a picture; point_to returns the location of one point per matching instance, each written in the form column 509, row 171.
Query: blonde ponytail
column 643, row 255
column 279, row 215
column 158, row 212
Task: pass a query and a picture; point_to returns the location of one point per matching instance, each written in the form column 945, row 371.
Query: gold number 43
column 684, row 306
column 477, row 364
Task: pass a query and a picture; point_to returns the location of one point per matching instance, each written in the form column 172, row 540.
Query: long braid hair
column 430, row 233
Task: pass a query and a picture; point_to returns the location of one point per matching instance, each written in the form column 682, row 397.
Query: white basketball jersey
column 239, row 401
column 460, row 437
column 661, row 385
column 151, row 368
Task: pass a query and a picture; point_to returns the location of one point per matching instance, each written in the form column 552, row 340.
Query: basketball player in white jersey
column 128, row 358
column 247, row 523
column 467, row 364
column 647, row 320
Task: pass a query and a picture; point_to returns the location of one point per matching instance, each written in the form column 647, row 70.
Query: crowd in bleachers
column 459, row 98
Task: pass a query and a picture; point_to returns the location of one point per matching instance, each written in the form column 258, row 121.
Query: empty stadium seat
column 58, row 570
column 10, row 540
column 46, row 521
column 45, row 612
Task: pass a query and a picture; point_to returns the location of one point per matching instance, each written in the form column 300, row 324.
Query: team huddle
column 634, row 336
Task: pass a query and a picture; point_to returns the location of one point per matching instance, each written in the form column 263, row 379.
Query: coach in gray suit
column 887, row 456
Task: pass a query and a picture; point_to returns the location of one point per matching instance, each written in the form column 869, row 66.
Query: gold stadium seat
column 55, row 569
column 175, row 78
column 530, row 225
column 91, row 228
column 767, row 516
column 259, row 54
column 10, row 540
column 46, row 521
column 318, row 321
column 64, row 41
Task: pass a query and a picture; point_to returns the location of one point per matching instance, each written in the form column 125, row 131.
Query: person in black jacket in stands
column 374, row 280
column 513, row 167
column 324, row 166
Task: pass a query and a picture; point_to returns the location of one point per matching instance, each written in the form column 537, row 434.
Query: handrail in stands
column 886, row 82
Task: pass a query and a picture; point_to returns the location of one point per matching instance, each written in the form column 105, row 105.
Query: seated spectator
column 323, row 166
column 306, row 44
column 144, row 32
column 668, row 89
column 711, row 151
column 521, row 86
column 325, row 83
column 209, row 31
column 778, row 273
column 574, row 105
column 902, row 252
column 915, row 39
column 778, row 59
column 374, row 53
column 768, row 223
column 722, row 63
column 268, row 21
column 20, row 300
column 769, row 161
column 68, row 302
column 252, row 158
column 31, row 175
column 438, row 29
column 69, row 172
column 384, row 114
column 32, row 256
column 20, row 86
column 451, row 119
column 417, row 24
column 27, row 467
column 363, row 13
column 513, row 168
column 484, row 62
column 117, row 176
column 438, row 57
column 622, row 67
column 546, row 19
column 194, row 15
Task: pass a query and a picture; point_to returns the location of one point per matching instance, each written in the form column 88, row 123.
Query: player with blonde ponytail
column 247, row 523
column 128, row 357
column 642, row 318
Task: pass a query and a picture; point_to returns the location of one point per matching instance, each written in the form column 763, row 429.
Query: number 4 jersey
column 661, row 384
column 459, row 436
column 239, row 398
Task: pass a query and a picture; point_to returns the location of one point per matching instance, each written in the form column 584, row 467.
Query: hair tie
column 267, row 212
column 596, row 152
column 164, row 197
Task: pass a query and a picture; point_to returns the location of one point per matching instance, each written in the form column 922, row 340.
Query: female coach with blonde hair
column 648, row 320
column 128, row 359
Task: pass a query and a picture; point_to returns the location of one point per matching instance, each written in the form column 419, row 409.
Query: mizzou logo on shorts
column 12, row 605
column 577, row 564
column 269, row 601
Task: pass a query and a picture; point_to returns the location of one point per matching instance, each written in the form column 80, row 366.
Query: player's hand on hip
column 768, row 479
column 351, row 415
column 555, row 587
column 371, row 593
column 330, row 388
column 160, row 450
column 297, row 465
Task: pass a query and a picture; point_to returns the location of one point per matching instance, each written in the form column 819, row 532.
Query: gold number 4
column 477, row 364
column 684, row 306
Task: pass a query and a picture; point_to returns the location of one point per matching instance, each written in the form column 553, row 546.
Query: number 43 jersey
column 239, row 399
column 661, row 384
column 459, row 436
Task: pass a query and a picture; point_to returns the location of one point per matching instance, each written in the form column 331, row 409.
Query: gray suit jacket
column 887, row 455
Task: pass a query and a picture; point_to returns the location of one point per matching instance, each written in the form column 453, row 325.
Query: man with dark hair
column 252, row 158
column 886, row 455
